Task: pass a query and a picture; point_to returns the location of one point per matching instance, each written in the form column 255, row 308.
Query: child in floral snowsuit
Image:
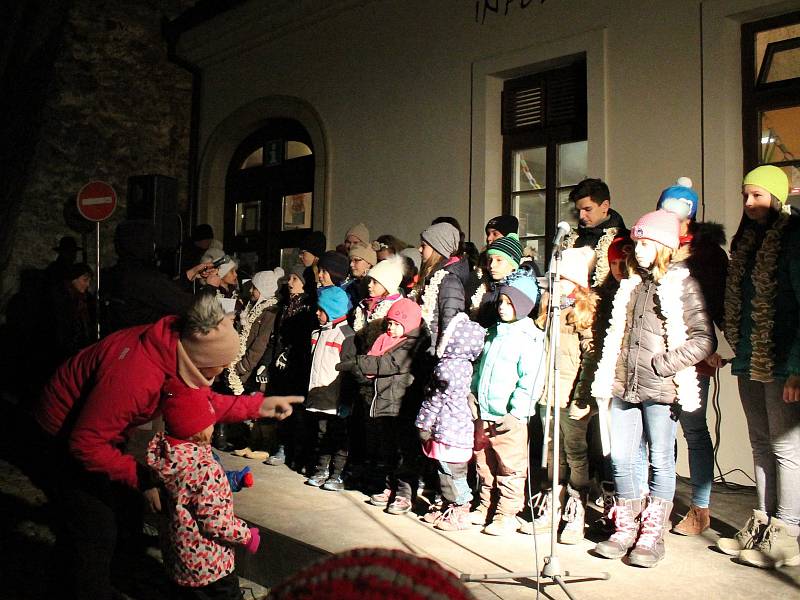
column 202, row 527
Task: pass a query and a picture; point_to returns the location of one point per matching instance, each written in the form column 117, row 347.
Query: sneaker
column 479, row 516
column 318, row 478
column 501, row 525
column 399, row 506
column 604, row 526
column 574, row 518
column 434, row 513
column 776, row 548
column 279, row 458
column 696, row 521
column 334, row 484
column 382, row 498
column 455, row 518
column 747, row 537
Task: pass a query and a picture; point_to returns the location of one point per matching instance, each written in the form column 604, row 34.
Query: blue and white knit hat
column 680, row 199
column 523, row 290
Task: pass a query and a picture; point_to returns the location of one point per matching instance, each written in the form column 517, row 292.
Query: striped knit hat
column 509, row 247
column 372, row 573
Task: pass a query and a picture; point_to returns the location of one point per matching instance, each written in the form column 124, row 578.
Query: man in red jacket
column 96, row 398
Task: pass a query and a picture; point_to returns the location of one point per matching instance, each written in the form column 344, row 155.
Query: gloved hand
column 507, row 423
column 346, row 365
column 255, row 540
column 425, row 435
column 261, row 374
column 282, row 361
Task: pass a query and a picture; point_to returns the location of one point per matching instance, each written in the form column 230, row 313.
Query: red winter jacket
column 115, row 385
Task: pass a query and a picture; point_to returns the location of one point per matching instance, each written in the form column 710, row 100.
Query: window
column 771, row 96
column 544, row 151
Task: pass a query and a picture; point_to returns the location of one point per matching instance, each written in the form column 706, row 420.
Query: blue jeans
column 453, row 482
column 701, row 451
column 635, row 428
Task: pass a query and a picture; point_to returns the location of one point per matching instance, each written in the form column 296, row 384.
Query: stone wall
column 115, row 106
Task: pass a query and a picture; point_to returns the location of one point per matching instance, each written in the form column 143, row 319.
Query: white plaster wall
column 394, row 84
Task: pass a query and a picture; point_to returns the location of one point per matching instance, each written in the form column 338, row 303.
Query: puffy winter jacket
column 510, row 376
column 327, row 388
column 445, row 410
column 112, row 386
column 450, row 298
column 202, row 526
column 645, row 369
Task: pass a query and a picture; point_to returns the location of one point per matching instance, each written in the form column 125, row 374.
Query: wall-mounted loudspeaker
column 155, row 198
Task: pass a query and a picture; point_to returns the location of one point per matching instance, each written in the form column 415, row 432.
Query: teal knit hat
column 509, row 247
column 334, row 301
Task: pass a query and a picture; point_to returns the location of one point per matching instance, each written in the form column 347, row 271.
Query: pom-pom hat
column 680, row 199
column 660, row 226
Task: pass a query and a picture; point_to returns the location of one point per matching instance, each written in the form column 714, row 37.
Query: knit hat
column 334, row 301
column 505, row 224
column 314, row 243
column 202, row 232
column 772, row 179
column 406, row 312
column 335, row 264
column 216, row 348
column 442, row 237
column 364, row 252
column 299, row 270
column 266, row 282
column 680, row 199
column 509, row 247
column 186, row 414
column 576, row 264
column 414, row 255
column 372, row 573
column 389, row 273
column 214, row 254
column 523, row 291
column 619, row 248
column 360, row 232
column 660, row 226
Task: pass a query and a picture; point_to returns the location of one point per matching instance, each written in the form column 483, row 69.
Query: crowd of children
column 420, row 370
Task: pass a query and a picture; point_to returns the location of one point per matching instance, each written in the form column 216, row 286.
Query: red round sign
column 97, row 201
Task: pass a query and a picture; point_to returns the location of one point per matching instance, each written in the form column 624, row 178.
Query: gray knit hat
column 442, row 237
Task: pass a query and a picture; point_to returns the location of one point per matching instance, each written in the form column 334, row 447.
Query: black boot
column 220, row 441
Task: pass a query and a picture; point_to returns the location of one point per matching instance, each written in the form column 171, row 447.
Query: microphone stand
column 552, row 565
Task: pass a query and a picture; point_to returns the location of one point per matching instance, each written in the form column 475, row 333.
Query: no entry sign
column 97, row 201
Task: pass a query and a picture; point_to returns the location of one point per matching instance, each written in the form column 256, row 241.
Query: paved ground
column 302, row 524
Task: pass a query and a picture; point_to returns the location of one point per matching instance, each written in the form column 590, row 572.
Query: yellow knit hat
column 772, row 179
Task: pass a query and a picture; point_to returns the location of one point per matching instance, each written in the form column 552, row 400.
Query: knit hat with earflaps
column 771, row 178
column 360, row 232
column 442, row 237
column 505, row 224
column 389, row 273
column 522, row 290
column 660, row 226
column 406, row 312
column 364, row 252
column 334, row 301
column 185, row 415
column 509, row 247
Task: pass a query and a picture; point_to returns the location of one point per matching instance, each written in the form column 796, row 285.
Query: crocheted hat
column 266, row 282
column 680, row 199
column 372, row 573
column 364, row 252
column 360, row 232
column 334, row 301
column 389, row 273
column 659, row 226
column 406, row 312
column 505, row 224
column 335, row 264
column 442, row 237
column 509, row 247
column 185, row 415
column 523, row 291
column 772, row 179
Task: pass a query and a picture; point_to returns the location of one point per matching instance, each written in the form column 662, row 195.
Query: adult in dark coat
column 72, row 315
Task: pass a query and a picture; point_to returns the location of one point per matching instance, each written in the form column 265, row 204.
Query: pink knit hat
column 216, row 348
column 660, row 226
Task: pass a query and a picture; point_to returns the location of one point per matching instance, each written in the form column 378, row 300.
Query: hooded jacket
column 445, row 411
column 202, row 526
column 511, row 374
column 97, row 396
column 330, row 344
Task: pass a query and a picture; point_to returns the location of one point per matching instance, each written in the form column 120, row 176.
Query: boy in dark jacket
column 389, row 368
column 331, row 344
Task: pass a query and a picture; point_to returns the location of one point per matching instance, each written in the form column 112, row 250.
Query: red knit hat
column 407, row 313
column 372, row 573
column 187, row 413
column 660, row 226
column 619, row 248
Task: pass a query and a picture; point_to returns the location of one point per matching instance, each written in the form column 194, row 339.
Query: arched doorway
column 269, row 195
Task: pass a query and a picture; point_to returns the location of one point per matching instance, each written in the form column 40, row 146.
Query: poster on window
column 297, row 211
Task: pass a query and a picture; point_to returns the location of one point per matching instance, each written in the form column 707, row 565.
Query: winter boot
column 747, row 537
column 480, row 515
column 278, row 458
column 574, row 517
column 696, row 521
column 455, row 518
column 776, row 548
column 220, row 438
column 649, row 549
column 240, row 479
column 501, row 525
column 626, row 528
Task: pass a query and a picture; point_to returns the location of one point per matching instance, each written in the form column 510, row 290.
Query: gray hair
column 203, row 315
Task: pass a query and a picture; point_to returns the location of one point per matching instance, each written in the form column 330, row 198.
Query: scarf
column 384, row 343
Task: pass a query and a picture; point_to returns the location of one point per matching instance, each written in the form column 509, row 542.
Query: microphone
column 562, row 230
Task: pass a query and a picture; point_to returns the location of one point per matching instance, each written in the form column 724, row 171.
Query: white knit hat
column 576, row 264
column 266, row 282
column 389, row 273
column 213, row 254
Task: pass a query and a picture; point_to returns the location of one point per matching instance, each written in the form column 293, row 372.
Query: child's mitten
column 255, row 540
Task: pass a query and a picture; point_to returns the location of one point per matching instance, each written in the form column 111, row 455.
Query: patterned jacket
column 202, row 526
column 445, row 410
